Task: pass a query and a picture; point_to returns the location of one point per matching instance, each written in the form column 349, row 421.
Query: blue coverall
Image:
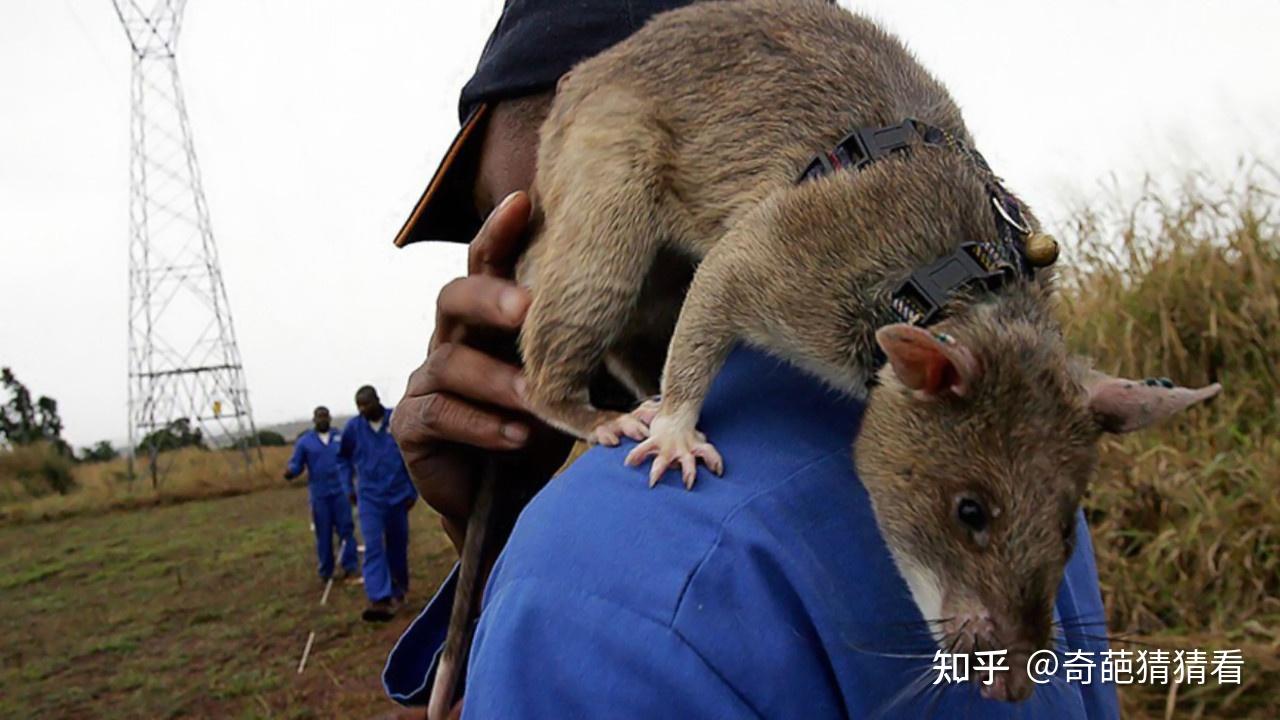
column 766, row 593
column 329, row 485
column 384, row 496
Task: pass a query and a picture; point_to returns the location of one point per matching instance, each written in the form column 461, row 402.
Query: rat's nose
column 1018, row 686
column 997, row 690
column 1011, row 686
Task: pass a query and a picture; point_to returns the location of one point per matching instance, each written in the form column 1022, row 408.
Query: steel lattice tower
column 183, row 358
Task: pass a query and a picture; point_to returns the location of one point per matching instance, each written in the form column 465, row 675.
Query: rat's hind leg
column 601, row 194
column 703, row 338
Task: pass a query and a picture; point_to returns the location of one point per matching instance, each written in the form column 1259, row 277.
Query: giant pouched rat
column 980, row 434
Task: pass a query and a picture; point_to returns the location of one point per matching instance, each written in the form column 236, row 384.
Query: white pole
column 329, row 585
column 302, row 664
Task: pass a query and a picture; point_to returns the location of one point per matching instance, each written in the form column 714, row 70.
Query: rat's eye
column 972, row 514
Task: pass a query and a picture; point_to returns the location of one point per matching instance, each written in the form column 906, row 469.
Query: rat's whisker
column 938, row 691
column 926, row 621
column 916, row 689
column 890, row 654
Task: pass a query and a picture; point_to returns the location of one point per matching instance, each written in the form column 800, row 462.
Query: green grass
column 192, row 610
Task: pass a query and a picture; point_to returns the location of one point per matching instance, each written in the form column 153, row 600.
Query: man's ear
column 931, row 364
column 1122, row 405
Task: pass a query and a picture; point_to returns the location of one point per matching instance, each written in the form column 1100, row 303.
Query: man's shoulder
column 785, row 440
column 598, row 529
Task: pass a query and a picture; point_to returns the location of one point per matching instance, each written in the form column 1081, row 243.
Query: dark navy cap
column 534, row 43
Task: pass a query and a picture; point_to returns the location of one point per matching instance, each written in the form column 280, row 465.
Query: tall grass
column 1186, row 517
column 35, row 470
column 187, row 474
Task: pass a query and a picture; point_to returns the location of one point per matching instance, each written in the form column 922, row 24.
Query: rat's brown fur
column 688, row 137
column 671, row 139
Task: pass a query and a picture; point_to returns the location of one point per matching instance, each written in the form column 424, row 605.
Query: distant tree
column 101, row 452
column 264, row 438
column 23, row 422
column 270, row 438
column 177, row 434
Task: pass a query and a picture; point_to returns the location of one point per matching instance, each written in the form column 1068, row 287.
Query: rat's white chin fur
column 925, row 590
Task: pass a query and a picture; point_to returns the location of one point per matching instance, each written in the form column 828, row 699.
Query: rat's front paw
column 670, row 442
column 611, row 431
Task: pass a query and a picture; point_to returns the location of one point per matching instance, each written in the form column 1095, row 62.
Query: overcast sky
column 317, row 123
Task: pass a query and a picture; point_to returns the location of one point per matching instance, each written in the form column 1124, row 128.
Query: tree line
column 24, row 421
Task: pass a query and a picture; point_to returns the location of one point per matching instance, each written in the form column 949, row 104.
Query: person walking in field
column 384, row 496
column 329, row 485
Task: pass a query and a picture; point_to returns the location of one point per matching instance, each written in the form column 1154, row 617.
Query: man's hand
column 464, row 396
column 289, row 476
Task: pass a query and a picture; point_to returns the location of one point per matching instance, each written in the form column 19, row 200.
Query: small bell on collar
column 1041, row 249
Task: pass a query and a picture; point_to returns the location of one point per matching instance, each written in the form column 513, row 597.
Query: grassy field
column 121, row 600
column 199, row 609
column 183, row 475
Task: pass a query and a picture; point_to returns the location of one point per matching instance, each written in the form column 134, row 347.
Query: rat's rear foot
column 581, row 419
column 634, row 424
column 615, row 426
column 673, row 441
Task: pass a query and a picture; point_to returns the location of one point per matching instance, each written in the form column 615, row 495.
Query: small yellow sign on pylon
column 217, row 408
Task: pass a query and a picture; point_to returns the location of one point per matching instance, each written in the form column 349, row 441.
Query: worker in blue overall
column 329, row 485
column 384, row 497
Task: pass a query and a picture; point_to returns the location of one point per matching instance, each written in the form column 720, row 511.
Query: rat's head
column 976, row 449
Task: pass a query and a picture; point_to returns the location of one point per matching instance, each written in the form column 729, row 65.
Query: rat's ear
column 931, row 364
column 1122, row 405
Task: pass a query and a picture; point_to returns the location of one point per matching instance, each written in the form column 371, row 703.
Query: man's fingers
column 495, row 248
column 444, row 476
column 468, row 373
column 440, row 416
column 480, row 300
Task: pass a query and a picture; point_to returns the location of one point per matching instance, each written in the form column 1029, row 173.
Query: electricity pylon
column 185, row 373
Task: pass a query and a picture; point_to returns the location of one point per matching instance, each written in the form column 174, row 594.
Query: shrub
column 177, row 434
column 34, row 470
column 103, row 451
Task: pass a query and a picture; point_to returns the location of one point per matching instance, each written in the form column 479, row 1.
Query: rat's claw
column 671, row 445
column 640, row 452
column 659, row 467
column 689, row 470
column 710, row 457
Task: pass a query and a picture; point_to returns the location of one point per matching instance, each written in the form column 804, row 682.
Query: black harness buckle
column 861, row 148
column 920, row 298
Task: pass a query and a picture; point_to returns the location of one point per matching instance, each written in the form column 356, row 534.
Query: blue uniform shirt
column 326, row 474
column 382, row 476
column 767, row 593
